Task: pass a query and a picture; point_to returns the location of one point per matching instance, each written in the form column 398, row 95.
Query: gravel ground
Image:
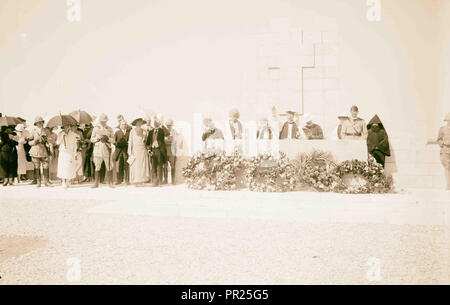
column 40, row 231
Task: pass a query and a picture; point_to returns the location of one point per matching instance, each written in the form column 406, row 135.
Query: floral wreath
column 268, row 173
column 213, row 171
column 371, row 171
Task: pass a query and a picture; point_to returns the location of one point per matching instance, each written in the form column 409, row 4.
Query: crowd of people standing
column 146, row 151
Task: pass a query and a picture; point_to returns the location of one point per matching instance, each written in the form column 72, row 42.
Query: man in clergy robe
column 158, row 152
column 212, row 137
column 354, row 128
column 312, row 130
column 290, row 129
column 377, row 140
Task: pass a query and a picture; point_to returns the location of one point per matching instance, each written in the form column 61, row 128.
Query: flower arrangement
column 370, row 171
column 213, row 171
column 315, row 171
column 267, row 173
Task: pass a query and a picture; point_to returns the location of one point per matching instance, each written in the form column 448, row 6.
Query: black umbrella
column 9, row 121
column 61, row 120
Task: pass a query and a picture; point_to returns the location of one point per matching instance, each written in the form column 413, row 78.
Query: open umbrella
column 61, row 120
column 9, row 120
column 81, row 116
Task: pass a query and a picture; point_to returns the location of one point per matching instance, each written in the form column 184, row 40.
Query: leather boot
column 97, row 180
column 46, row 173
column 34, row 177
column 38, row 177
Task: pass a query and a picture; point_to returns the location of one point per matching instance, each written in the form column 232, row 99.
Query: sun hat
column 38, row 119
column 134, row 123
column 103, row 118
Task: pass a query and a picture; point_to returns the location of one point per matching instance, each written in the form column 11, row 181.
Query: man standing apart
column 102, row 138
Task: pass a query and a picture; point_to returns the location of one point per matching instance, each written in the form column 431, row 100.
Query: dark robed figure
column 377, row 140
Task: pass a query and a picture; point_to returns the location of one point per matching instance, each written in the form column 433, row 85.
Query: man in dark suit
column 122, row 137
column 157, row 146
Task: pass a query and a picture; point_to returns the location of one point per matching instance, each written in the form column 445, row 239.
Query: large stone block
column 312, row 85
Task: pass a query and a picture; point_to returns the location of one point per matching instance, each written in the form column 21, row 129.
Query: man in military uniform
column 102, row 138
column 40, row 142
column 354, row 128
column 444, row 143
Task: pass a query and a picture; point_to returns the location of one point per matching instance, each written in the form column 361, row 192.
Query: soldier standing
column 102, row 138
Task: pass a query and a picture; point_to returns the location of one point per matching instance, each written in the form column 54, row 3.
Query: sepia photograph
column 205, row 144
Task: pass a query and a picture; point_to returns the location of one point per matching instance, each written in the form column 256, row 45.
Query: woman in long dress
column 138, row 155
column 67, row 141
column 8, row 155
column 21, row 154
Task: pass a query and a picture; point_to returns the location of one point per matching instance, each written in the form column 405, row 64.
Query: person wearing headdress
column 8, row 155
column 157, row 146
column 102, row 138
column 122, row 136
column 68, row 150
column 354, row 128
column 137, row 154
column 21, row 153
column 378, row 140
column 290, row 129
column 312, row 130
column 40, row 142
column 444, row 142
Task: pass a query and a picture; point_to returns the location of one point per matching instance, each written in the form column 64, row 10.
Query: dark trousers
column 379, row 156
column 157, row 166
column 123, row 172
column 88, row 165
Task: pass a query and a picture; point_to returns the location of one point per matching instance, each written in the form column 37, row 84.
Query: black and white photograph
column 200, row 144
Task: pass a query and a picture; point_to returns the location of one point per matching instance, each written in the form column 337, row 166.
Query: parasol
column 61, row 120
column 82, row 117
column 9, row 121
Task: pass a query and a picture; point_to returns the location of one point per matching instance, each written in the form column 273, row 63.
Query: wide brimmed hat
column 134, row 123
column 291, row 112
column 38, row 119
column 447, row 117
column 103, row 118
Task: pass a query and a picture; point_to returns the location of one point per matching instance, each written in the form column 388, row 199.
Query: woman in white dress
column 21, row 154
column 138, row 154
column 67, row 141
